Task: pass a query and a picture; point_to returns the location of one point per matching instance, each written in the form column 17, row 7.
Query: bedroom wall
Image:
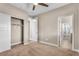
column 16, row 12
column 48, row 24
column 5, row 30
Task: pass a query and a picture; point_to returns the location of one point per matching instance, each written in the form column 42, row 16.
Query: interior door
column 16, row 31
column 34, row 29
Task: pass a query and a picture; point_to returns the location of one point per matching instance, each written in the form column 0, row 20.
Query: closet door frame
column 22, row 35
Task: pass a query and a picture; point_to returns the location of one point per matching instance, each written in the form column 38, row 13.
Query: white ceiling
column 27, row 7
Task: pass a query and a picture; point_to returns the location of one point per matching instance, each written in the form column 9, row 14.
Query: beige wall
column 15, row 12
column 48, row 24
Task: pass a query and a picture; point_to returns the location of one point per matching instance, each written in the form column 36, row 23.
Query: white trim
column 26, row 43
column 15, row 43
column 58, row 36
column 5, row 50
column 48, row 43
column 76, row 50
column 56, row 45
column 59, row 41
column 73, row 31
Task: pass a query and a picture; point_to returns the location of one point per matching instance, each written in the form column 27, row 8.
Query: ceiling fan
column 42, row 4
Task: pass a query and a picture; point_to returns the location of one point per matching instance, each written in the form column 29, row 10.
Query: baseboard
column 15, row 43
column 26, row 43
column 5, row 50
column 76, row 50
column 48, row 43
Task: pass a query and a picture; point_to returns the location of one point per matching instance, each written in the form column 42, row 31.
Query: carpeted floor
column 38, row 49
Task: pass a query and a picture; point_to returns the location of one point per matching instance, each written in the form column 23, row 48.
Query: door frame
column 22, row 22
column 29, row 35
column 58, row 38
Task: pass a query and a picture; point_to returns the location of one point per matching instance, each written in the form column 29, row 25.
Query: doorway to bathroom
column 65, row 31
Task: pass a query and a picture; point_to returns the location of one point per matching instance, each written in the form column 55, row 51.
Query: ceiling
column 27, row 7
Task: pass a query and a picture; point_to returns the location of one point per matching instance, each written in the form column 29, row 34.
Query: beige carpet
column 38, row 49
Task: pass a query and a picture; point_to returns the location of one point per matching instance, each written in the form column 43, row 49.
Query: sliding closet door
column 16, row 37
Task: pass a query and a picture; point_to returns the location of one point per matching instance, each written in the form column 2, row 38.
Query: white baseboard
column 15, row 43
column 48, row 43
column 26, row 43
column 55, row 45
column 5, row 50
column 76, row 50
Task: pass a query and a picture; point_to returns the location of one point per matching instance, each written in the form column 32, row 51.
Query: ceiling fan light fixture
column 35, row 3
column 42, row 4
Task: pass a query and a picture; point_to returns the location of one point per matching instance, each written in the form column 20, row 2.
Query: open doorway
column 17, row 31
column 33, row 29
column 65, row 31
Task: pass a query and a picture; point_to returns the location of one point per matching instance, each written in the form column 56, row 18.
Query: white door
column 34, row 29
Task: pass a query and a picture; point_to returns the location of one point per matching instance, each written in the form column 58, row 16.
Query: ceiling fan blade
column 43, row 4
column 33, row 7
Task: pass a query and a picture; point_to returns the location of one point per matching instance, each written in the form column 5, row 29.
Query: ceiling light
column 35, row 3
